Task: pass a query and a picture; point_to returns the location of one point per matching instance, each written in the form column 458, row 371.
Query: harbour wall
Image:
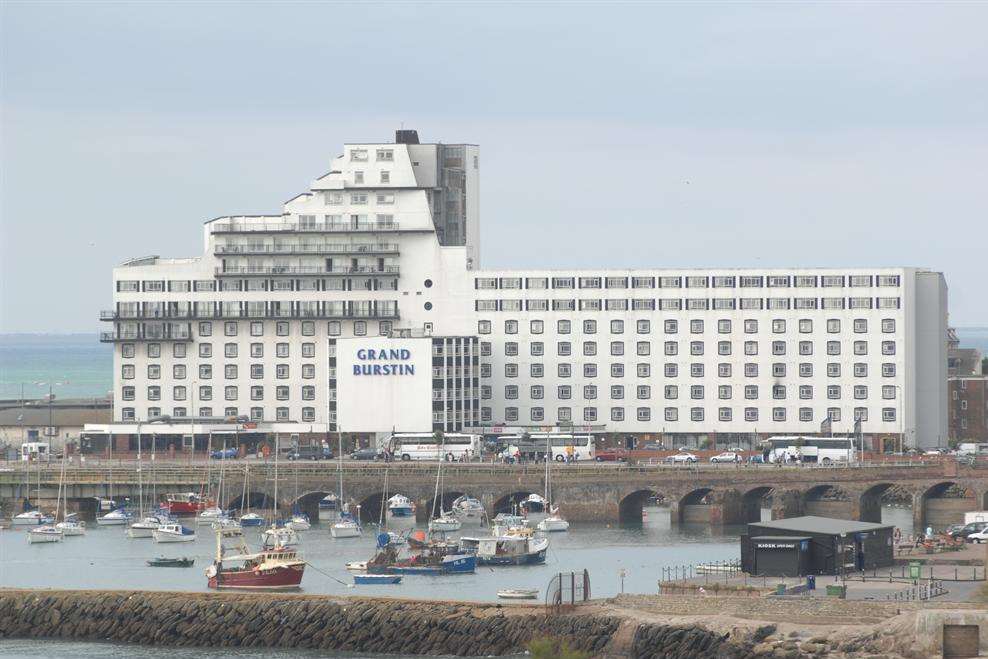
column 341, row 624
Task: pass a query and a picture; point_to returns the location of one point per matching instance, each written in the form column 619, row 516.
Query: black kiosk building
column 814, row 545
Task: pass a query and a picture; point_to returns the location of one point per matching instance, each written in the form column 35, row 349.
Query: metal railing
column 305, row 270
column 303, row 248
column 303, row 227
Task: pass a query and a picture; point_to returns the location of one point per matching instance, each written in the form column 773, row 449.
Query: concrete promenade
column 717, row 494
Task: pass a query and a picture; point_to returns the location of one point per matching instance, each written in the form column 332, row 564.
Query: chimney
column 406, row 136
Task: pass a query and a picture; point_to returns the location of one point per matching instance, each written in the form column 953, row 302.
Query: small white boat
column 210, row 515
column 251, row 519
column 143, row 528
column 504, row 523
column 468, row 509
column 518, row 593
column 328, row 502
column 117, row 517
column 71, row 526
column 31, row 518
column 553, row 523
column 300, row 522
column 346, row 527
column 400, row 506
column 46, row 533
column 228, row 527
column 356, row 566
column 283, row 536
column 173, row 533
column 445, row 523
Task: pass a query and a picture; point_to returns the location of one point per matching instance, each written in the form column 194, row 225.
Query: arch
column 876, row 497
column 258, row 502
column 308, row 503
column 695, row 506
column 446, row 500
column 942, row 504
column 631, row 506
column 752, row 502
column 828, row 500
column 509, row 502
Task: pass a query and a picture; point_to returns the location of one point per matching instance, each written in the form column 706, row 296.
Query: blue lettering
column 405, row 354
column 362, row 354
column 377, row 369
column 356, row 369
column 410, row 369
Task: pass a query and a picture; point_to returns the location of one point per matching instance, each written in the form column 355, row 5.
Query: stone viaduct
column 939, row 492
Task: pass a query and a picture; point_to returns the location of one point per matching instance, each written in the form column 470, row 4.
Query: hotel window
column 281, row 371
column 888, row 392
column 178, row 371
column 308, row 414
column 230, row 329
column 385, row 176
column 723, row 282
column 888, row 347
column 617, row 348
column 589, row 413
column 537, row 283
column 670, row 282
column 589, row 282
column 590, row 305
column 778, row 281
column 230, row 371
column 510, row 349
column 358, row 198
column 564, row 392
column 696, row 392
column 510, row 413
column 617, row 414
column 485, row 283
column 589, row 370
column 640, row 304
column 643, row 348
column 860, row 370
column 308, row 392
column 696, row 282
column 671, row 348
column 671, row 370
column 308, row 328
column 696, row 327
column 589, row 348
column 511, row 391
column 308, row 371
column 205, row 329
column 778, row 303
column 779, row 391
column 805, row 414
column 696, row 348
column 860, row 392
column 805, row 281
column 724, row 392
column 511, row 327
column 644, row 370
column 590, row 392
column 887, row 280
column 695, row 304
column 751, row 282
column 562, row 282
column 833, row 370
column 833, row 347
column 281, row 328
column 309, row 350
column 832, row 281
column 861, row 414
column 205, row 350
column 888, row 371
column 564, row 349
column 860, row 347
column 888, row 325
column 511, row 282
column 359, row 328
column 696, row 414
column 536, row 327
column 358, row 176
column 723, row 348
column 643, row 282
column 724, row 304
column 537, row 414
column 805, row 303
column 564, row 370
column 486, row 393
column 751, row 370
column 778, row 347
column 778, row 370
column 860, row 303
column 564, row 305
column 128, row 414
column 511, row 370
column 485, row 349
column 385, row 155
column 806, row 347
column 564, row 414
column 154, row 371
column 667, row 304
column 154, row 393
column 833, row 392
column 127, row 350
column 616, row 282
column 335, row 327
column 671, row 414
column 644, row 414
column 860, row 326
column 127, row 393
column 833, row 303
column 154, row 350
column 724, row 370
column 358, row 155
column 888, row 414
column 385, row 198
column 281, row 350
column 644, row 392
column 485, row 370
column 617, row 392
column 778, row 414
column 617, row 327
column 779, row 326
column 205, row 392
column 643, row 327
column 256, row 413
column 805, row 392
column 178, row 393
column 751, row 327
column 671, row 392
column 752, row 303
column 617, row 370
column 483, row 327
column 671, row 327
column 128, row 286
column 281, row 414
column 751, row 414
column 724, row 414
column 888, row 303
column 751, row 391
column 178, row 350
column 205, row 371
column 230, row 393
column 537, row 370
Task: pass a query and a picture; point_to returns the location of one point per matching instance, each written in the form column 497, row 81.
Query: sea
column 83, row 366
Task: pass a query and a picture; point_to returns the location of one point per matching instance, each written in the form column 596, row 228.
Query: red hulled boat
column 186, row 503
column 279, row 568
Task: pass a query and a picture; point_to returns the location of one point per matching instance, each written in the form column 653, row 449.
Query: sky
column 612, row 135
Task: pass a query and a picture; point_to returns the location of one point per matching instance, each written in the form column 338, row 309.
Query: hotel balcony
column 303, row 248
column 149, row 332
column 306, row 227
column 282, row 270
column 323, row 310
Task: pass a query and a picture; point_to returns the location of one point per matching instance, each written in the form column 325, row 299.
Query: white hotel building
column 283, row 319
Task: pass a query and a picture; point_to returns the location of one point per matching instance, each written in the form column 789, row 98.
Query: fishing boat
column 518, row 593
column 376, row 579
column 251, row 519
column 70, row 526
column 282, row 536
column 185, row 503
column 31, row 518
column 436, row 560
column 516, row 549
column 328, row 502
column 300, row 522
column 468, row 509
column 275, row 568
column 173, row 533
column 400, row 506
column 553, row 522
column 118, row 517
column 42, row 534
column 161, row 561
column 504, row 523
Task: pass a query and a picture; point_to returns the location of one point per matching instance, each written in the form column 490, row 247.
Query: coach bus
column 426, row 446
column 533, row 446
column 822, row 450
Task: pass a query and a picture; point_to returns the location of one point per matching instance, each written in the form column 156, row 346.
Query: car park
column 727, row 456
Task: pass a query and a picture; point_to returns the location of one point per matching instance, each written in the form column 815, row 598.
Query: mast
column 219, row 490
column 140, row 476
column 274, row 506
column 339, row 468
column 548, row 459
column 243, row 496
column 439, row 471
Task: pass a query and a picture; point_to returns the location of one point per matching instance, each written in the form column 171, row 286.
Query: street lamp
column 51, row 384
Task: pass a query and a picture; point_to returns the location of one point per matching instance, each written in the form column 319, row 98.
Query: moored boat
column 300, row 522
column 277, row 568
column 173, row 533
column 185, row 503
column 445, row 523
column 145, row 527
column 31, row 518
column 345, row 527
column 515, row 549
column 518, row 593
column 117, row 517
column 42, row 534
column 468, row 509
column 71, row 526
column 328, row 502
column 162, row 561
column 210, row 515
column 375, row 579
column 438, row 559
column 251, row 519
column 553, row 523
column 282, row 536
column 400, row 506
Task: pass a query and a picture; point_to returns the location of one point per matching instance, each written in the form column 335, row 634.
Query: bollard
column 955, row 573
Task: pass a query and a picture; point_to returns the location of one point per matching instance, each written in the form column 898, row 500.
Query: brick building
column 968, row 407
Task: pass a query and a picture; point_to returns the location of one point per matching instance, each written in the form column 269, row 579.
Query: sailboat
column 299, row 520
column 248, row 518
column 553, row 522
column 444, row 522
column 277, row 535
column 47, row 532
column 69, row 525
column 33, row 517
column 345, row 525
column 145, row 526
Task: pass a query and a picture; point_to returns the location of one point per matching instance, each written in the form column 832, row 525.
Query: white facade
column 387, row 243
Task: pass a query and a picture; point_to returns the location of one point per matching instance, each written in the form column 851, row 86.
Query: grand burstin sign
column 384, row 362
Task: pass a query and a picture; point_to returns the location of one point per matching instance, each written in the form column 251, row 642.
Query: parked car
column 968, row 529
column 365, row 454
column 224, row 454
column 726, row 456
column 611, row 455
column 978, row 536
column 311, row 453
column 653, row 446
column 683, row 457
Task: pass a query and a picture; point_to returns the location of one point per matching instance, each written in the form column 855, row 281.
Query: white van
column 34, row 451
